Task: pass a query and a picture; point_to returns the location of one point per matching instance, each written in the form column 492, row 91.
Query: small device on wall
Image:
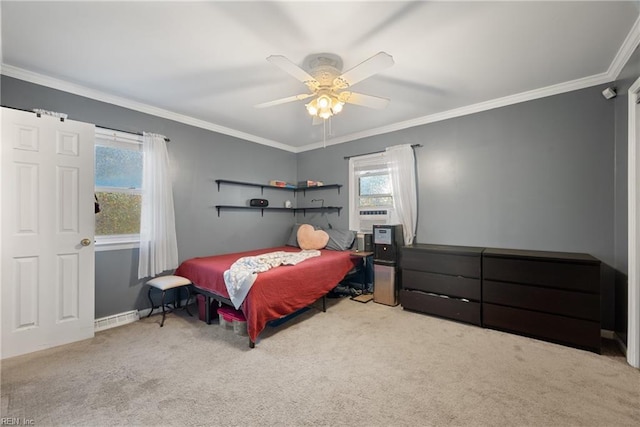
column 261, row 203
column 609, row 93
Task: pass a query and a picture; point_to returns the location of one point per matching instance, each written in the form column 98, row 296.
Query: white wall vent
column 116, row 320
column 367, row 218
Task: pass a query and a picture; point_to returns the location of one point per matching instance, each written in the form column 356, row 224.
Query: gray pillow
column 293, row 237
column 339, row 240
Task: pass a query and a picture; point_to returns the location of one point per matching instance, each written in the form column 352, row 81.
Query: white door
column 47, row 235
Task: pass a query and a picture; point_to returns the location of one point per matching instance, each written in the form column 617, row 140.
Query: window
column 370, row 192
column 118, row 187
column 374, row 189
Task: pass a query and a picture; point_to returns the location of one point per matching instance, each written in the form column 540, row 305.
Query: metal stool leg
column 164, row 313
column 151, row 301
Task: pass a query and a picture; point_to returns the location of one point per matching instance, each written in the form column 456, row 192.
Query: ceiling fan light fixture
column 311, row 108
column 325, row 113
column 324, row 102
column 324, row 106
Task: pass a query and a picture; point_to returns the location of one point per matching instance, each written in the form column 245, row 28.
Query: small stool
column 164, row 283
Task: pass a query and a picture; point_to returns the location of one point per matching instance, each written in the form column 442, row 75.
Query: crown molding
column 626, row 50
column 51, row 82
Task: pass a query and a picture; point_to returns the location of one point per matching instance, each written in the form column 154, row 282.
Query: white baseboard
column 611, row 335
column 144, row 313
column 605, row 333
column 621, row 344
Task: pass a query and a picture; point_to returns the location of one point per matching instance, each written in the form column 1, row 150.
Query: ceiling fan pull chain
column 324, row 133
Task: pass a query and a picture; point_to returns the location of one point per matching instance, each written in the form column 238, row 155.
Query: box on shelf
column 233, row 319
column 283, row 184
column 310, row 183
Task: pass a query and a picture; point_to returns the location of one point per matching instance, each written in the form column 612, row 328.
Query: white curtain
column 402, row 169
column 158, row 244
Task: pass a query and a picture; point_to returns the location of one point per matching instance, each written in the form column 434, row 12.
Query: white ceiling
column 204, row 63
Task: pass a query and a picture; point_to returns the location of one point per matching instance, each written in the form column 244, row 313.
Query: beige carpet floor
column 355, row 365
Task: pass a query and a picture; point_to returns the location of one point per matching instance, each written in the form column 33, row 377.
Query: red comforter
column 276, row 292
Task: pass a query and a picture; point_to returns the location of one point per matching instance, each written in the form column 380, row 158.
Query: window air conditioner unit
column 370, row 217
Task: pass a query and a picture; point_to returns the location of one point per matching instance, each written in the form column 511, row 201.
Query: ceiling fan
column 328, row 85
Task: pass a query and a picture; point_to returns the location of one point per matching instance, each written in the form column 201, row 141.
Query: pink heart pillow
column 310, row 238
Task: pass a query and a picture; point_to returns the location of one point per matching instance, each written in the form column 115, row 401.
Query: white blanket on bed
column 240, row 277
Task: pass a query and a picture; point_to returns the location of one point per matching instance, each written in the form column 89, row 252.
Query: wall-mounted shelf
column 318, row 187
column 269, row 208
column 293, row 210
column 275, row 187
column 321, row 209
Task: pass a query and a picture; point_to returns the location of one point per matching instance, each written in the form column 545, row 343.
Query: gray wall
column 627, row 77
column 198, row 157
column 537, row 175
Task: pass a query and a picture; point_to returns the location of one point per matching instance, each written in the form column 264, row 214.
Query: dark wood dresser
column 443, row 281
column 554, row 296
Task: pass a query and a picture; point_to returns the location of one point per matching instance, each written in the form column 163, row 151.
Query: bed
column 276, row 293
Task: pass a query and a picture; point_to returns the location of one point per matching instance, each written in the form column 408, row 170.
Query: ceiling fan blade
column 363, row 100
column 289, row 67
column 367, row 68
column 284, row 100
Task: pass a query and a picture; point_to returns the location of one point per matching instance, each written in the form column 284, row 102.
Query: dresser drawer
column 455, row 286
column 554, row 301
column 579, row 333
column 561, row 275
column 450, row 308
column 444, row 263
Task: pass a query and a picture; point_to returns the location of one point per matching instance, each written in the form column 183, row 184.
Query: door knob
column 85, row 242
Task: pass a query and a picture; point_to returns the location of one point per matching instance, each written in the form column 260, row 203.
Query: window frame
column 356, row 165
column 122, row 140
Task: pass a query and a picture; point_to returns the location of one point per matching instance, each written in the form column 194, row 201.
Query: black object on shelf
column 259, row 203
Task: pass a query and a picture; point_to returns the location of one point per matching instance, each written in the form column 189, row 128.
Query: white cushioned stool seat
column 168, row 282
column 164, row 283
